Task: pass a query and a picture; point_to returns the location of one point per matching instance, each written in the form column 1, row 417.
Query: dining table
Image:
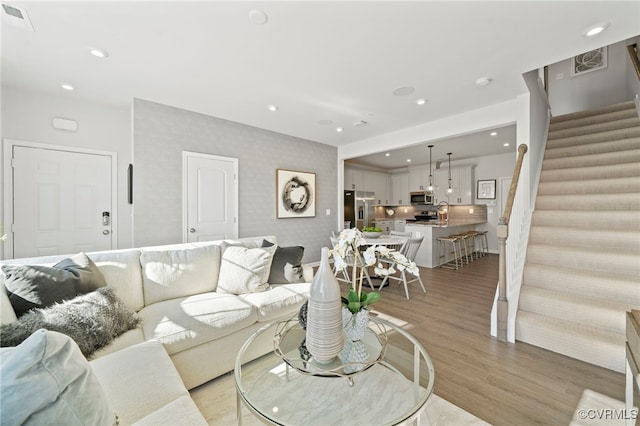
column 391, row 241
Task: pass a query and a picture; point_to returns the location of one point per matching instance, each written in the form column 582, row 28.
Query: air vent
column 16, row 17
column 360, row 123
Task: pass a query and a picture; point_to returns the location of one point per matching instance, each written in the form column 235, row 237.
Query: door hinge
column 235, row 220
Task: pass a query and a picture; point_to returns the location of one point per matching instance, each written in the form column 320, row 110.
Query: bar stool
column 464, row 244
column 474, row 247
column 481, row 236
column 455, row 249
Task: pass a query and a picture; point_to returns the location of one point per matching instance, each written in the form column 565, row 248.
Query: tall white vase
column 324, row 315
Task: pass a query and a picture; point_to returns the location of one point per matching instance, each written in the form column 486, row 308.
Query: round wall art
column 295, row 194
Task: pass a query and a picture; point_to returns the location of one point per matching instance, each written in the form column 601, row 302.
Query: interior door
column 61, row 202
column 210, row 197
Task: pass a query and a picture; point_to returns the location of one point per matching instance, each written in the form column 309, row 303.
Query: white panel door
column 211, row 197
column 59, row 200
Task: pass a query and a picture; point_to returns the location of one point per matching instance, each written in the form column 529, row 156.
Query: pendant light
column 450, row 188
column 430, row 187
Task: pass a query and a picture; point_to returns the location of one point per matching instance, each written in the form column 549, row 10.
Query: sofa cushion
column 168, row 274
column 189, row 321
column 122, row 271
column 92, row 320
column 140, row 380
column 279, row 300
column 245, row 270
column 37, row 286
column 46, row 380
column 286, row 266
column 182, row 411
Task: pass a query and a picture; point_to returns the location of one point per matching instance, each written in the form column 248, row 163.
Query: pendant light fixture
column 430, row 187
column 450, row 188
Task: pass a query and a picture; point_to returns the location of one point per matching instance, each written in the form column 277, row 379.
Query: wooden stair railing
column 503, row 233
column 633, row 54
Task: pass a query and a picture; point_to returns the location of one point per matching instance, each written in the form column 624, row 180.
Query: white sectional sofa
column 177, row 293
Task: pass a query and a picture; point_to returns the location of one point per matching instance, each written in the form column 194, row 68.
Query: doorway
column 210, row 197
column 58, row 199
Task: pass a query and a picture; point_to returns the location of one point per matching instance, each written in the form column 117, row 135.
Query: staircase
column 582, row 270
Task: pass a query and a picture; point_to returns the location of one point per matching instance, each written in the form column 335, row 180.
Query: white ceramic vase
column 324, row 314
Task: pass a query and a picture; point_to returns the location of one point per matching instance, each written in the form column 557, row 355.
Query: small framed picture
column 486, row 189
column 295, row 194
column 589, row 61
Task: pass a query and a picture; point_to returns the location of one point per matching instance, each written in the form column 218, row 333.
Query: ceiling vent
column 16, row 17
column 360, row 123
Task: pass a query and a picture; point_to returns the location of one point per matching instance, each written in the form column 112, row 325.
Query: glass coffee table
column 286, row 387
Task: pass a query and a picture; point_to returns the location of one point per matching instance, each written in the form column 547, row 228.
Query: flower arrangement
column 348, row 246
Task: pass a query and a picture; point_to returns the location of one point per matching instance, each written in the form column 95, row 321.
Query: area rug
column 216, row 400
column 596, row 409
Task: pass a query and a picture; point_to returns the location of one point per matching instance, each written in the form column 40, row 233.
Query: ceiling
column 323, row 64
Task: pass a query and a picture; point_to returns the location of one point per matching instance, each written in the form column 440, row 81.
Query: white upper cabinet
column 364, row 180
column 418, row 178
column 461, row 181
column 400, row 189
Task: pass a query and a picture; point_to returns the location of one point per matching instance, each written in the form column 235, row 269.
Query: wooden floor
column 501, row 383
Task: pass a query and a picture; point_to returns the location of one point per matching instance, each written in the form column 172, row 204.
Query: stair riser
column 596, row 172
column 578, row 140
column 597, row 219
column 583, row 260
column 602, row 239
column 598, row 317
column 592, row 113
column 588, row 203
column 595, row 128
column 608, row 354
column 594, row 119
column 593, row 160
column 603, row 148
column 605, row 286
column 592, row 187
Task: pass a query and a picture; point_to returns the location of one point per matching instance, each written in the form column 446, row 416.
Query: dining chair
column 409, row 251
column 344, row 275
column 400, row 234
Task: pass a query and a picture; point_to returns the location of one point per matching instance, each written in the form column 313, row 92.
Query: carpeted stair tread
column 604, row 218
column 591, row 112
column 591, row 172
column 602, row 238
column 593, row 187
column 584, row 259
column 590, row 160
column 571, row 339
column 577, row 202
column 622, row 124
column 603, row 148
column 599, row 314
column 599, row 137
column 593, row 119
column 605, row 285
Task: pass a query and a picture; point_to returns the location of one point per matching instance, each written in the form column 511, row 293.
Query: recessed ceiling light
column 505, row 144
column 421, row 101
column 99, row 53
column 258, row 17
column 67, row 86
column 494, row 133
column 404, row 91
column 272, row 107
column 339, row 129
column 408, row 160
column 595, row 29
column 388, row 154
column 483, row 81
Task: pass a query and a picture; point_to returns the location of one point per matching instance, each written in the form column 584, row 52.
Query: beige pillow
column 245, row 270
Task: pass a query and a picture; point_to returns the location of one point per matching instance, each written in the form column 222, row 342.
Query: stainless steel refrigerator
column 359, row 208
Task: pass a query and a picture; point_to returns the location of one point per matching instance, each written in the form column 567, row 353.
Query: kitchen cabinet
column 418, row 178
column 354, row 179
column 385, row 225
column 399, row 225
column 400, row 189
column 462, row 178
column 370, row 181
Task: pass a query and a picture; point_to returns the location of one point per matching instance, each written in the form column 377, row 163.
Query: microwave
column 420, row 198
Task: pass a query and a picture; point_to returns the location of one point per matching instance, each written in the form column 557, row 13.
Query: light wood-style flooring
column 501, row 383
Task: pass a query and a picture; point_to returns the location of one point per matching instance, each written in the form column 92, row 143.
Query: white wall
column 27, row 116
column 595, row 89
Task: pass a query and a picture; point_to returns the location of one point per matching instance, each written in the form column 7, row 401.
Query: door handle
column 105, row 232
column 192, row 230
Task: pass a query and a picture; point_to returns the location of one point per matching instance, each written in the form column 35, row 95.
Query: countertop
column 438, row 224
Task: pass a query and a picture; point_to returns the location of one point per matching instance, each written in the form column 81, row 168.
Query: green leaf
column 373, row 297
column 363, row 297
column 354, row 307
column 345, row 301
column 353, row 296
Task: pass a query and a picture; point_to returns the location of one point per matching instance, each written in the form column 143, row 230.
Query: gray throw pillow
column 92, row 320
column 286, row 266
column 37, row 286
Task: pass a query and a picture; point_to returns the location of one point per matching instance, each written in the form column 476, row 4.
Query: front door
column 61, row 202
column 211, row 197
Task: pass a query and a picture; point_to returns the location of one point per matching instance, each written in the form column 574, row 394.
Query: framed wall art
column 589, row 61
column 295, row 194
column 486, row 189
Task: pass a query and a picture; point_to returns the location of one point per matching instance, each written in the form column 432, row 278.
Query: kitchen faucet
column 440, row 204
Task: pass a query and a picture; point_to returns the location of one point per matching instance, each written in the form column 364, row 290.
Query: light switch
column 328, row 212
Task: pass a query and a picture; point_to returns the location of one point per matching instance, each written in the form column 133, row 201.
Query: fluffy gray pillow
column 93, row 320
column 37, row 286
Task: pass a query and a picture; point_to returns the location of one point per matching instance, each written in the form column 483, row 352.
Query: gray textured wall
column 161, row 133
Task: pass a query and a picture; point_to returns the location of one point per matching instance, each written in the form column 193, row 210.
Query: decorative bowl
column 370, row 234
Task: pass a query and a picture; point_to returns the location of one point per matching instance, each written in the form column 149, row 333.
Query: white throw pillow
column 46, row 380
column 245, row 270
